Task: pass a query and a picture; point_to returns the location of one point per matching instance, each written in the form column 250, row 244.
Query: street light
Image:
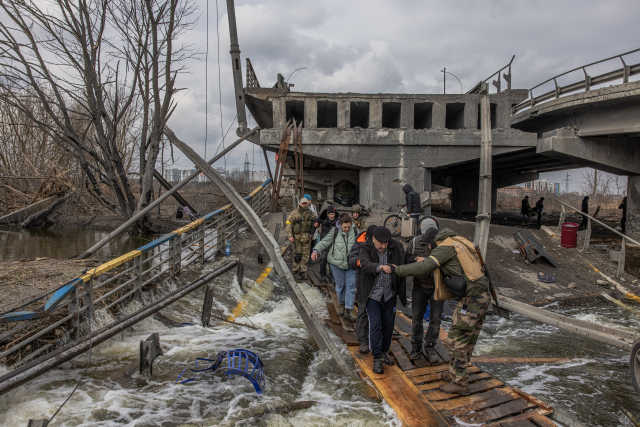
column 444, row 73
column 302, row 68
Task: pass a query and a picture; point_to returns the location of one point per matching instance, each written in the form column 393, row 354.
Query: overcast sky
column 394, row 47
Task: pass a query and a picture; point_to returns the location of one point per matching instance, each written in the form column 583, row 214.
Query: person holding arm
column 362, row 320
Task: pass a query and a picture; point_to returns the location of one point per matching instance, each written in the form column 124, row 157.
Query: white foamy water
column 295, row 371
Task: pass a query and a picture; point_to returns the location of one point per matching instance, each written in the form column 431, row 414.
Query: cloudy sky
column 393, row 47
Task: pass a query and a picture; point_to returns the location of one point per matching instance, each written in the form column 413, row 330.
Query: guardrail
column 496, row 83
column 622, row 73
column 587, row 235
column 126, row 276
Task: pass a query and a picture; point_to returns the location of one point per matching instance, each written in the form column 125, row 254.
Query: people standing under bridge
column 525, row 210
column 414, row 208
column 338, row 243
column 328, row 221
column 359, row 223
column 422, row 295
column 623, row 222
column 539, row 208
column 585, row 209
column 362, row 320
column 378, row 290
column 458, row 262
column 299, row 232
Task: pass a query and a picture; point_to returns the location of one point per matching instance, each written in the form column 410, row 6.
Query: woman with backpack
column 339, row 242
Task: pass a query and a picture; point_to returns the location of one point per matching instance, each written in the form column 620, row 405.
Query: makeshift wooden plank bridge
column 411, row 386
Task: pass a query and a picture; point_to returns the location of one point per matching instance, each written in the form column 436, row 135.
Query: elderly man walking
column 378, row 289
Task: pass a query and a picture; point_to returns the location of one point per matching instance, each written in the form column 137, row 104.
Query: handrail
column 601, row 223
column 625, row 72
column 476, row 88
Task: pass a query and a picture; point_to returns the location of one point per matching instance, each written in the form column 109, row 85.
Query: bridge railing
column 621, row 73
column 113, row 282
column 496, row 83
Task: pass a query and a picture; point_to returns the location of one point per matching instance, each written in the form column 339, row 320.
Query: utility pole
column 237, row 69
column 444, row 74
column 483, row 219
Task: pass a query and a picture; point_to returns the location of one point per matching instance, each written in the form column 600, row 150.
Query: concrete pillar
column 633, row 206
column 464, row 194
column 427, row 188
column 381, row 188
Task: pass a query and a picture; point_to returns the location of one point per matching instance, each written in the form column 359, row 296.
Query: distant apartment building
column 542, row 186
column 177, row 175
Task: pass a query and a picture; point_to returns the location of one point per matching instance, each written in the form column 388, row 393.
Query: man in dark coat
column 378, row 289
column 414, row 208
column 539, row 209
column 525, row 210
column 623, row 223
column 585, row 209
column 328, row 222
column 362, row 321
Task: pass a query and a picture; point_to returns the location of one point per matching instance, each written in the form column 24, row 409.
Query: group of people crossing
column 370, row 268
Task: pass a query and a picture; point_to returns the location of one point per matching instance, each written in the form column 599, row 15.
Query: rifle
column 485, row 270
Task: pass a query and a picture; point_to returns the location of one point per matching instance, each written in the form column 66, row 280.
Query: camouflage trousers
column 303, row 246
column 466, row 322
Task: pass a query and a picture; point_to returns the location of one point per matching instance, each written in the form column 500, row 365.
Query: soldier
column 298, row 231
column 457, row 260
column 358, row 222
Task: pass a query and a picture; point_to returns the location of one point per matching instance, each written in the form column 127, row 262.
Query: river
column 590, row 387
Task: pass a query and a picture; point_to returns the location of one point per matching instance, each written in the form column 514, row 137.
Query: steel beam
column 158, row 176
column 318, row 333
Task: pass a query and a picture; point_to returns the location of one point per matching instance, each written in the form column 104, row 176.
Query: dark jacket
column 369, row 261
column 585, row 205
column 539, row 206
column 449, row 264
column 419, row 247
column 354, row 255
column 623, row 206
column 327, row 226
column 524, row 210
column 413, row 200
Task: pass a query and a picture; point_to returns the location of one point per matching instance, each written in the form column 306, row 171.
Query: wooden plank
column 490, row 414
column 532, row 399
column 333, row 314
column 403, row 323
column 436, row 377
column 401, row 357
column 347, row 325
column 349, row 338
column 420, row 362
column 442, row 351
column 490, row 359
column 542, row 421
column 435, row 384
column 449, row 405
column 436, row 395
column 477, row 406
column 517, row 423
column 533, row 414
column 427, row 370
column 397, row 330
column 411, row 408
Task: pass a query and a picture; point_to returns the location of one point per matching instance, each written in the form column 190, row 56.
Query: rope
column 220, row 81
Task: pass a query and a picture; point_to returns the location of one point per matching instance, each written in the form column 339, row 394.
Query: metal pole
column 45, row 363
column 483, row 219
column 266, row 160
column 305, row 310
column 237, row 68
column 163, row 182
column 160, row 199
column 444, row 73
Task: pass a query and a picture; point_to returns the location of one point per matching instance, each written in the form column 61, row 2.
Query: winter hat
column 370, row 230
column 306, row 196
column 331, row 210
column 382, row 234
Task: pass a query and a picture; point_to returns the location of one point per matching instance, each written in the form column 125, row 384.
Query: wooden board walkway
column 411, row 387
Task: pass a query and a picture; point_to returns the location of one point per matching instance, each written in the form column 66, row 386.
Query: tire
column 393, row 223
column 634, row 366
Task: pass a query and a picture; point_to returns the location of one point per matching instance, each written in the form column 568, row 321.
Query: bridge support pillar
column 381, row 188
column 633, row 206
column 464, row 194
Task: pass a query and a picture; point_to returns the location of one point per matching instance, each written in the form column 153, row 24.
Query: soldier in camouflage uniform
column 298, row 230
column 359, row 223
column 468, row 316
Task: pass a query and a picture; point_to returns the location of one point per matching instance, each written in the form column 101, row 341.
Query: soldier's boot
column 416, row 349
column 303, row 275
column 341, row 310
column 349, row 315
column 378, row 366
column 364, row 348
column 455, row 388
column 387, row 360
column 446, row 377
column 431, row 354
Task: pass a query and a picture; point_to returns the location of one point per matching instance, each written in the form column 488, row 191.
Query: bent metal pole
column 299, row 300
column 49, row 361
column 483, row 219
column 161, row 199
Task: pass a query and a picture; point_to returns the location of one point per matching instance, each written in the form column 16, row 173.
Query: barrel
column 569, row 235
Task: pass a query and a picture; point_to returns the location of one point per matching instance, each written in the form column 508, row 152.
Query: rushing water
column 590, row 388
